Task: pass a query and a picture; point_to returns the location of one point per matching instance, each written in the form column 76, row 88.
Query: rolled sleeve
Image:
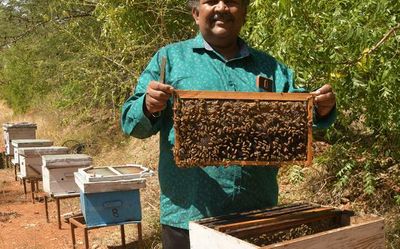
column 324, row 122
column 134, row 121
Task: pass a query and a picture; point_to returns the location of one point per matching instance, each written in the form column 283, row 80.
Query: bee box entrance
column 242, row 128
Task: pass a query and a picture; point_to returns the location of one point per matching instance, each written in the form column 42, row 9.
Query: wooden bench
column 79, row 222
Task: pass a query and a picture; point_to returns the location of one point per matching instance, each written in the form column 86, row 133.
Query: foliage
column 101, row 48
column 361, row 177
column 393, row 233
column 85, row 57
column 295, row 174
column 340, row 42
column 353, row 45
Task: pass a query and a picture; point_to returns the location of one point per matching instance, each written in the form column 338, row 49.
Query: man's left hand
column 324, row 100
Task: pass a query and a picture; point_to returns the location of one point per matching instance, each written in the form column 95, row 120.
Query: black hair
column 195, row 3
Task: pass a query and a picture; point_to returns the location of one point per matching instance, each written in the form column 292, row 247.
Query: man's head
column 219, row 21
column 195, row 3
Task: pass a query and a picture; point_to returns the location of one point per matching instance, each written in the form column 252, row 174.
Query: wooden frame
column 34, row 182
column 58, row 197
column 230, row 231
column 115, row 174
column 79, row 222
column 252, row 96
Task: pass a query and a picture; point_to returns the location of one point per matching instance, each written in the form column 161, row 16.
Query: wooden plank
column 310, row 106
column 40, row 151
column 252, row 163
column 284, row 225
column 257, row 214
column 66, row 160
column 114, row 173
column 203, row 237
column 108, row 186
column 105, row 187
column 19, row 143
column 185, row 94
column 7, row 126
column 274, row 221
column 368, row 235
column 64, row 195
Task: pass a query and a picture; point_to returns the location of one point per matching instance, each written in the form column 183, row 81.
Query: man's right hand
column 157, row 95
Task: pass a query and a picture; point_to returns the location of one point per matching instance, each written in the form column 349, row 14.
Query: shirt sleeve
column 326, row 121
column 133, row 120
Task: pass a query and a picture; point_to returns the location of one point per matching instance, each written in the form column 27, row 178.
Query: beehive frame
column 180, row 96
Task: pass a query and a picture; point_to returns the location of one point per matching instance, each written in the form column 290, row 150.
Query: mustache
column 222, row 17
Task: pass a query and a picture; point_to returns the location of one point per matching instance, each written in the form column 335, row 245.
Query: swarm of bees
column 225, row 132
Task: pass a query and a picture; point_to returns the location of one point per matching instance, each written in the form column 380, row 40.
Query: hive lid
column 108, row 186
column 31, row 142
column 7, row 126
column 66, row 160
column 114, row 173
column 39, row 151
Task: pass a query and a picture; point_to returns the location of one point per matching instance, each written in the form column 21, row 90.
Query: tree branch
column 16, row 38
column 369, row 51
column 380, row 43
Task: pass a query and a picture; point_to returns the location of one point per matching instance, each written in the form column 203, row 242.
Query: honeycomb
column 244, row 132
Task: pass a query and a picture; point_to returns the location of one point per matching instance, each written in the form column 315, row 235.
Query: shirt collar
column 199, row 43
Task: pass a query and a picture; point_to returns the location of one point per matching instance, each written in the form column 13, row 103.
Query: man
column 217, row 59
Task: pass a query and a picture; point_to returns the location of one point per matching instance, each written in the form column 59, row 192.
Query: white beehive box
column 110, row 195
column 30, row 159
column 22, row 130
column 23, row 143
column 58, row 172
column 314, row 228
column 112, row 178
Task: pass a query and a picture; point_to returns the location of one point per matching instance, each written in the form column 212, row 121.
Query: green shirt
column 195, row 193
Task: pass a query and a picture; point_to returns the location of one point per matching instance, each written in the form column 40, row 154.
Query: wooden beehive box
column 23, row 143
column 112, row 178
column 110, row 195
column 296, row 226
column 30, row 159
column 58, row 172
column 22, row 130
column 242, row 128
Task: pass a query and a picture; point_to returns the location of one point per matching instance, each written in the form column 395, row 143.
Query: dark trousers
column 174, row 238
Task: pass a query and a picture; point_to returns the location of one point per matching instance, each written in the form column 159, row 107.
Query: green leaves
column 350, row 44
column 104, row 45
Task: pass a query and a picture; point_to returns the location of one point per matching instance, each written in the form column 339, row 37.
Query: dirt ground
column 23, row 224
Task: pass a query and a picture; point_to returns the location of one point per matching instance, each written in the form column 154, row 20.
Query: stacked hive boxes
column 58, row 172
column 11, row 131
column 30, row 159
column 110, row 195
column 23, row 143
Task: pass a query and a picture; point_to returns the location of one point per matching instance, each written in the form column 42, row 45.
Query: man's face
column 220, row 21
